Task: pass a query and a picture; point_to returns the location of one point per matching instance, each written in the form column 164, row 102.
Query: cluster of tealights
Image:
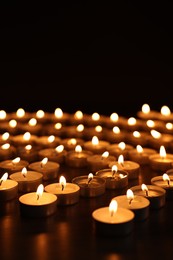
column 34, row 145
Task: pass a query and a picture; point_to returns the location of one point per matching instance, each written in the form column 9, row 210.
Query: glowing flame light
column 145, row 108
column 144, row 188
column 62, row 182
column 4, row 177
column 166, row 178
column 24, row 172
column 95, row 140
column 113, row 206
column 162, row 152
column 130, row 195
column 59, row 148
column 39, row 191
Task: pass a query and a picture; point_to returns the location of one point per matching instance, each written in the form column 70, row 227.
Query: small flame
column 39, row 191
column 130, row 195
column 58, row 126
column 131, row 121
column 72, row 141
column 24, row 171
column 78, row 114
column 136, row 134
column 51, row 138
column 5, row 136
column 26, row 136
column 165, row 111
column 144, row 188
column 20, row 112
column 122, row 145
column 150, row 123
column 59, row 148
column 121, row 159
column 90, row 177
column 62, row 182
column 116, row 130
column 44, row 161
column 12, row 123
column 113, row 206
column 32, row 122
column 28, row 147
column 16, row 160
column 98, row 128
column 114, row 117
column 4, row 177
column 145, row 108
column 166, row 178
column 80, row 128
column 155, row 134
column 162, row 152
column 3, row 114
column 169, row 126
column 58, row 113
column 105, row 154
column 78, row 148
column 139, row 149
column 40, row 113
column 95, row 116
column 5, row 146
column 95, row 140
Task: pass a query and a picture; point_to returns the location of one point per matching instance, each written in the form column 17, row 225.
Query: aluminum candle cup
column 156, row 195
column 114, row 180
column 132, row 168
column 117, row 225
column 158, row 163
column 31, row 206
column 167, row 185
column 67, row 196
column 11, row 166
column 139, row 205
column 77, row 159
column 94, row 188
column 8, row 190
column 27, row 183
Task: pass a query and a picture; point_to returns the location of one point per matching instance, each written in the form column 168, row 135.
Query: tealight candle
column 165, row 114
column 95, row 145
column 138, row 204
column 27, row 180
column 67, row 193
column 96, row 162
column 56, row 154
column 48, row 141
column 23, row 139
column 114, row 120
column 28, row 153
column 146, row 113
column 12, row 165
column 32, row 126
column 113, row 220
column 114, row 135
column 38, row 204
column 73, row 131
column 20, row 115
column 132, row 168
column 78, row 157
column 93, row 119
column 8, row 188
column 70, row 143
column 90, row 185
column 141, row 155
column 60, row 116
column 120, row 148
column 90, row 131
column 166, row 182
column 48, row 168
column 5, row 138
column 137, row 138
column 155, row 194
column 7, row 151
column 161, row 161
column 115, row 179
column 156, row 139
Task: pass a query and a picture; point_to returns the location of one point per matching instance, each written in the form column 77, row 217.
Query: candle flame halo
column 4, row 177
column 39, row 191
column 113, row 206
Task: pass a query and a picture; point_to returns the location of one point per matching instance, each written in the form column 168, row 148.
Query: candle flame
column 169, row 125
column 12, row 123
column 90, row 177
column 105, row 154
column 16, row 160
column 114, row 117
column 59, row 148
column 162, row 152
column 136, row 134
column 98, row 128
column 130, row 195
column 58, row 113
column 116, row 130
column 139, row 148
column 5, row 136
column 40, row 113
column 122, row 145
column 44, row 161
column 95, row 116
column 20, row 112
column 32, row 122
column 51, row 138
column 95, row 140
column 114, row 169
column 78, row 114
column 113, row 206
column 62, row 182
column 5, row 146
column 150, row 123
column 39, row 191
column 166, row 178
column 28, row 147
column 121, row 159
column 155, row 134
column 4, row 177
column 26, row 136
column 24, row 172
column 3, row 114
column 72, row 141
column 144, row 188
column 165, row 111
column 145, row 108
column 58, row 126
column 78, row 148
column 131, row 121
column 80, row 128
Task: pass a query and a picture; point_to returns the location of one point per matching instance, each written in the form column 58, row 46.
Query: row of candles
column 110, row 172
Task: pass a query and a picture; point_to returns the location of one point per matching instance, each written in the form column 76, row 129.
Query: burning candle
column 90, row 185
column 95, row 145
column 48, row 168
column 155, row 194
column 56, row 154
column 78, row 157
column 146, row 113
column 23, row 139
column 113, row 220
column 7, row 151
column 48, row 141
column 67, row 193
column 12, row 165
column 166, row 182
column 132, row 168
column 138, row 204
column 115, row 179
column 70, row 143
column 141, row 155
column 8, row 188
column 27, row 180
column 120, row 148
column 38, row 204
column 161, row 161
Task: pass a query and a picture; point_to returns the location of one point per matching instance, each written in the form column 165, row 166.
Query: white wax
column 56, row 188
column 31, row 199
column 121, row 216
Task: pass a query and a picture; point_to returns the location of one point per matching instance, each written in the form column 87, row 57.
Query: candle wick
column 113, row 173
column 1, row 182
column 112, row 213
column 62, row 187
column 38, row 196
column 147, row 193
column 130, row 201
column 122, row 164
column 89, row 180
column 168, row 182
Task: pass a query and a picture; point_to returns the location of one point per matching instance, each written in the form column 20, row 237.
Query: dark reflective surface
column 70, row 233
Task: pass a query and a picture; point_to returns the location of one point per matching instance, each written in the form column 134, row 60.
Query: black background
column 95, row 57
